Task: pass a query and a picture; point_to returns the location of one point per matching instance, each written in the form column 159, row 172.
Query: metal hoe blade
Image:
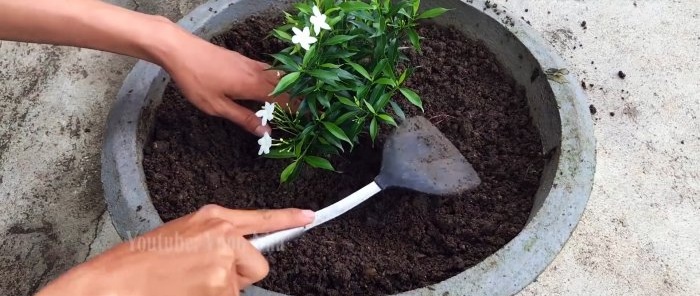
column 419, row 157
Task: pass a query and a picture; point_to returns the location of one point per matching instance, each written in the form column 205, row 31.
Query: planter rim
column 505, row 272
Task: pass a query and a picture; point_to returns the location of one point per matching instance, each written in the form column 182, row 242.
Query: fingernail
column 311, row 215
column 261, row 130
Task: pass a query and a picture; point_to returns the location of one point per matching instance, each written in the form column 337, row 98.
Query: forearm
column 89, row 24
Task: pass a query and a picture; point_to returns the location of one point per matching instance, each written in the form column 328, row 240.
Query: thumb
column 243, row 117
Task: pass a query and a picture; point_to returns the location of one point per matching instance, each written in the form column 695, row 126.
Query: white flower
column 303, row 38
column 267, row 113
column 319, row 21
column 265, row 143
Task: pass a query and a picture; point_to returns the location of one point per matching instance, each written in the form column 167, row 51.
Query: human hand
column 212, row 77
column 203, row 253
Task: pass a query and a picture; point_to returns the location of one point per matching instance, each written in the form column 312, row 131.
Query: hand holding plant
column 342, row 63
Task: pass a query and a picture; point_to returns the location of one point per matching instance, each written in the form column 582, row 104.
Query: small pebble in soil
column 87, row 130
column 525, row 9
column 682, row 142
column 583, row 84
column 592, row 109
column 583, row 25
column 621, row 74
column 612, row 114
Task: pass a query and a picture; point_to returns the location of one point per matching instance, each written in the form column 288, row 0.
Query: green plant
column 342, row 64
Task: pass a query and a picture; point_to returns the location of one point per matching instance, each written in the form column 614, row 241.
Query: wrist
column 165, row 41
column 158, row 39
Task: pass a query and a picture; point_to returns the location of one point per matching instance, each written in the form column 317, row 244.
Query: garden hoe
column 417, row 157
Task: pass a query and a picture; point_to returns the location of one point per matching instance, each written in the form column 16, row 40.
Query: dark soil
column 396, row 241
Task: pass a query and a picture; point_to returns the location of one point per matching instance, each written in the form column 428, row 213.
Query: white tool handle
column 269, row 241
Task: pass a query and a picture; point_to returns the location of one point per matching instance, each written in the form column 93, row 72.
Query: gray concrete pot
column 557, row 105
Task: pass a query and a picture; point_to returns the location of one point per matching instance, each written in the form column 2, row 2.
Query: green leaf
column 309, row 55
column 379, row 104
column 379, row 67
column 282, row 35
column 397, row 109
column 285, row 83
column 373, row 128
column 349, row 6
column 405, row 13
column 330, row 66
column 319, row 162
column 406, row 73
column 335, row 20
column 415, row 40
column 362, row 26
column 371, row 109
column 327, row 4
column 386, row 81
column 416, row 5
column 311, row 102
column 290, row 19
column 324, row 75
column 345, row 74
column 346, row 101
column 362, row 91
column 337, row 39
column 287, row 172
column 330, row 139
column 336, row 131
column 381, row 45
column 303, row 7
column 388, row 119
column 343, row 118
column 389, row 70
column 280, row 154
column 412, row 97
column 287, row 60
column 435, row 12
column 360, row 70
column 325, row 102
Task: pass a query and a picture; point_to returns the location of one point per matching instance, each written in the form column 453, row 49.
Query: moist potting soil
column 397, row 241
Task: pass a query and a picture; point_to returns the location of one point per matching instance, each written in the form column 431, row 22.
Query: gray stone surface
column 53, row 105
column 638, row 235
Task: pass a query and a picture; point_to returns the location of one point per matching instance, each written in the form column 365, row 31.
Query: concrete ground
column 638, row 236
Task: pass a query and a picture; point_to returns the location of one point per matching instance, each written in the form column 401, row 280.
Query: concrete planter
column 557, row 106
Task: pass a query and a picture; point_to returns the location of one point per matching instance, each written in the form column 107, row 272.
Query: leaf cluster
column 347, row 79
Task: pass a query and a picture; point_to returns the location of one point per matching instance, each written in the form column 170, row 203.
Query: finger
column 235, row 288
column 250, row 265
column 242, row 116
column 263, row 221
column 272, row 77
